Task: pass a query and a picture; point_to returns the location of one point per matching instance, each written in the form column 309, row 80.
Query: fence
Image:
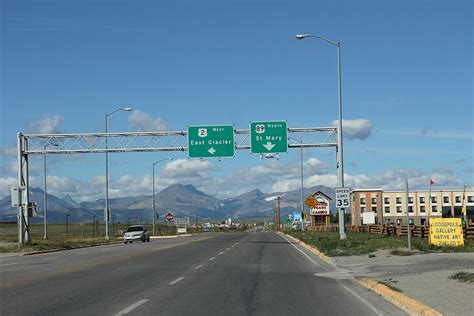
column 402, row 230
column 389, row 230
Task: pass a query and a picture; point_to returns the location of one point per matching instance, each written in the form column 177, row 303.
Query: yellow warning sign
column 446, row 232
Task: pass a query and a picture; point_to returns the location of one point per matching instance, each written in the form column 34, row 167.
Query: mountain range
column 182, row 200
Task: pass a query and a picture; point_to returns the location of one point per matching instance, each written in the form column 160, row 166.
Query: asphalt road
column 255, row 273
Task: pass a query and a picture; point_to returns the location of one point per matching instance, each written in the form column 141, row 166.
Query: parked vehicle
column 136, row 232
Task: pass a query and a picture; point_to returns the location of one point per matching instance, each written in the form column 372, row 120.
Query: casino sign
column 322, row 208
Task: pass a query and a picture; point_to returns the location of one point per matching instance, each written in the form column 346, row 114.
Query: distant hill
column 182, row 200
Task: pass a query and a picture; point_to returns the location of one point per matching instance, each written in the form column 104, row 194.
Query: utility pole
column 408, row 215
column 278, row 213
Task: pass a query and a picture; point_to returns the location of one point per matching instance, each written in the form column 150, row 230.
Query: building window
column 445, row 199
column 423, row 221
column 434, row 209
column 399, row 221
column 422, row 209
column 362, row 201
column 410, row 208
column 422, row 199
column 374, row 209
column 387, row 209
column 362, row 209
column 434, row 199
column 470, row 199
column 386, row 200
column 458, row 199
column 374, row 200
column 399, row 200
column 410, row 199
column 399, row 209
column 411, row 221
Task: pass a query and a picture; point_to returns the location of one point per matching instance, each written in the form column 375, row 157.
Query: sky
column 407, row 82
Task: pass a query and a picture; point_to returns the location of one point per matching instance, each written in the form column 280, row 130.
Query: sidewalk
column 423, row 277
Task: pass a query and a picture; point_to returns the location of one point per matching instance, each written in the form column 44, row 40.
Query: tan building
column 389, row 207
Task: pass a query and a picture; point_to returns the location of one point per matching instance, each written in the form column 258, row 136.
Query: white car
column 136, row 232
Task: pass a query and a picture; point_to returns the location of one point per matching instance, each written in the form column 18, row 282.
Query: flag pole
column 463, row 208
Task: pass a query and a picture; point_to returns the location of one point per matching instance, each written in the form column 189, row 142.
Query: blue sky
column 407, row 71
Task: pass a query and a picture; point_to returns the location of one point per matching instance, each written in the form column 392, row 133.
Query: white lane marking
column 221, row 252
column 105, row 249
column 228, row 249
column 8, row 264
column 82, row 253
column 309, row 258
column 177, row 280
column 49, row 258
column 349, row 290
column 210, row 259
column 199, row 267
column 360, row 298
column 131, row 307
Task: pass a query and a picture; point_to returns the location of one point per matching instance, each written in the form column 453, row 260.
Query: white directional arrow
column 212, row 151
column 269, row 146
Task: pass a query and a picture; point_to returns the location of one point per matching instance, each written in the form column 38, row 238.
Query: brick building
column 389, row 206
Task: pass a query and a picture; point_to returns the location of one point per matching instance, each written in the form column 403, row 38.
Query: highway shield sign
column 268, row 137
column 211, row 141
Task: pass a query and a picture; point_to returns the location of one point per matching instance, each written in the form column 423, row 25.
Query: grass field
column 463, row 277
column 363, row 243
column 78, row 236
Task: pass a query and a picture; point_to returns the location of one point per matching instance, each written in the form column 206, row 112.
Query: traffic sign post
column 211, row 141
column 343, row 199
column 268, row 137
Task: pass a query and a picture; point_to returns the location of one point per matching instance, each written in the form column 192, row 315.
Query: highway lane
column 258, row 273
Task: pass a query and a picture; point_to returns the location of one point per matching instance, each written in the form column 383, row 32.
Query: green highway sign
column 211, row 141
column 268, row 137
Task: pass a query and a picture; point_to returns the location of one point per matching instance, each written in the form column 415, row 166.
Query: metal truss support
column 22, row 214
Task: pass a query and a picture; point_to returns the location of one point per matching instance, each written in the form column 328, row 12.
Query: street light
column 340, row 161
column 93, row 225
column 302, row 187
column 106, row 211
column 45, row 198
column 154, row 209
column 67, row 216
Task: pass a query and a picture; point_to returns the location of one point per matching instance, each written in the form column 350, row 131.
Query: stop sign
column 169, row 217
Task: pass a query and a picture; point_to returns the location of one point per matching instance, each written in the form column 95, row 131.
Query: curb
column 402, row 301
column 405, row 303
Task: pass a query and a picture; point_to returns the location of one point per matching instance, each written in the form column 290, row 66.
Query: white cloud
column 140, row 121
column 6, row 184
column 355, row 129
column 188, row 169
column 46, row 125
column 9, row 151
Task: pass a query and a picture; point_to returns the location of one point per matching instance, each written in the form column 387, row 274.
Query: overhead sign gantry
column 220, row 141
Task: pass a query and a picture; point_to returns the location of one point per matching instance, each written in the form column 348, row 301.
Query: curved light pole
column 154, row 209
column 106, row 211
column 340, row 161
column 45, row 197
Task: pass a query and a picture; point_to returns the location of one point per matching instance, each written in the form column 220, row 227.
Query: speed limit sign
column 343, row 199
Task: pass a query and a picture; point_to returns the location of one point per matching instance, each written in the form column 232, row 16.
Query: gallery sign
column 446, row 232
